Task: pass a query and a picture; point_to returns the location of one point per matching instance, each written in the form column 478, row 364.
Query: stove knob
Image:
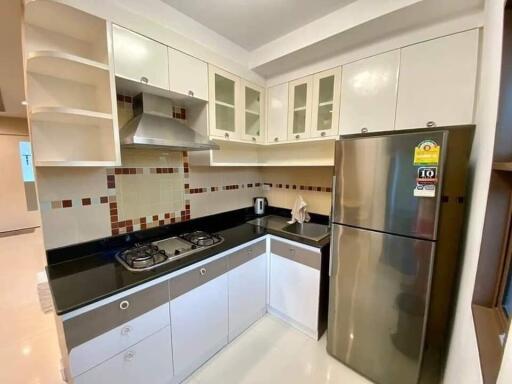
column 177, row 252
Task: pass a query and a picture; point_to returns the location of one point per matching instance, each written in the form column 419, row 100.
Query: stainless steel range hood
column 153, row 126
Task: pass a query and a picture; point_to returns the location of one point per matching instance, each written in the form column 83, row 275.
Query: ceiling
column 11, row 64
column 253, row 23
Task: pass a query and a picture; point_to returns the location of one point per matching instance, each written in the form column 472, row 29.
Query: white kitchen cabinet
column 277, row 107
column 188, row 75
column 247, row 289
column 140, row 59
column 149, row 361
column 326, row 103
column 438, row 82
column 199, row 320
column 368, row 94
column 224, row 89
column 253, row 112
column 299, row 108
column 295, row 285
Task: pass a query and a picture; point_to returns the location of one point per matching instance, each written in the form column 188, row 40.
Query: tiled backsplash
column 158, row 187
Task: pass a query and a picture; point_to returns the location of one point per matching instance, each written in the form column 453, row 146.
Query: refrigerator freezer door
column 379, row 290
column 375, row 182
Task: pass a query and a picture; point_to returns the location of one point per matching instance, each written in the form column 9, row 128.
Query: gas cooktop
column 143, row 257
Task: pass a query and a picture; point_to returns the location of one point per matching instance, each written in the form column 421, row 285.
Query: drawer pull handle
column 276, row 139
column 191, row 93
column 202, row 271
column 124, row 304
column 292, row 251
column 129, row 356
column 364, row 130
column 253, row 138
column 431, row 124
column 322, row 134
column 297, row 136
column 126, row 330
column 144, row 80
column 226, row 135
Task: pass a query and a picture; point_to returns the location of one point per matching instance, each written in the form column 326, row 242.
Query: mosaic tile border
column 299, row 187
column 230, row 187
column 158, row 219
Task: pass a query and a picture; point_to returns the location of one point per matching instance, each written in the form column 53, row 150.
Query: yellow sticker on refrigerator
column 427, row 153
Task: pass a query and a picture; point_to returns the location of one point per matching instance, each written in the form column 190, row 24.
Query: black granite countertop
column 85, row 273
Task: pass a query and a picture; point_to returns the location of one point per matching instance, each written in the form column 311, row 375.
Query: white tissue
column 299, row 213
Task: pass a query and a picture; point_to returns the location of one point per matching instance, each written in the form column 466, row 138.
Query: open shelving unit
column 70, row 86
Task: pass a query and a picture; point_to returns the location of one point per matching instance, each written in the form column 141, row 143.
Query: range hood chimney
column 153, row 126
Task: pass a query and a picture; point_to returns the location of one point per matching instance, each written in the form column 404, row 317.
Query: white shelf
column 67, row 66
column 299, row 109
column 252, row 112
column 75, row 163
column 325, row 103
column 224, row 104
column 68, row 115
column 63, row 19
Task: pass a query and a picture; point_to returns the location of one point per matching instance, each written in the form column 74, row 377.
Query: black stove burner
column 201, row 239
column 143, row 255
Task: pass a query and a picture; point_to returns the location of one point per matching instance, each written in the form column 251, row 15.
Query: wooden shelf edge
column 490, row 349
column 502, row 166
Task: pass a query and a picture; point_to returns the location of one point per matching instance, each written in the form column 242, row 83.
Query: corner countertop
column 95, row 274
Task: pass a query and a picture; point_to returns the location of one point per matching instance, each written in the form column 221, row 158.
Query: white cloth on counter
column 299, row 211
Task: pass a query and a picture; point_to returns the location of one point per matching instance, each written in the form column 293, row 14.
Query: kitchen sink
column 311, row 231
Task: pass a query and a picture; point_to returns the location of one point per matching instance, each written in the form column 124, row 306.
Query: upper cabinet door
column 438, row 82
column 140, row 59
column 224, row 102
column 188, row 75
column 253, row 112
column 368, row 94
column 326, row 103
column 277, row 107
column 299, row 108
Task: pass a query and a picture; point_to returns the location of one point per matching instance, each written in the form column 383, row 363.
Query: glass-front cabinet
column 299, row 108
column 253, row 112
column 326, row 103
column 224, row 102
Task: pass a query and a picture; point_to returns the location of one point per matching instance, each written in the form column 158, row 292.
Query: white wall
column 463, row 364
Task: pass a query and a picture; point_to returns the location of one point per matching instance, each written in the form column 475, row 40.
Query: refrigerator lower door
column 379, row 294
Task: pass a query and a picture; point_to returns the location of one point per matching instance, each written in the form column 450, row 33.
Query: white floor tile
column 273, row 352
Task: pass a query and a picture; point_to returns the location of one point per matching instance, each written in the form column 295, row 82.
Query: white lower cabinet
column 149, row 361
column 247, row 294
column 295, row 286
column 199, row 323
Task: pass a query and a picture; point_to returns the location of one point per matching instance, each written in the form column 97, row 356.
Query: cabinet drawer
column 95, row 351
column 196, row 277
column 94, row 323
column 246, row 254
column 149, row 361
column 297, row 254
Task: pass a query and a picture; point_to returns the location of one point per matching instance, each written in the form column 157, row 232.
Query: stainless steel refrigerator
column 398, row 212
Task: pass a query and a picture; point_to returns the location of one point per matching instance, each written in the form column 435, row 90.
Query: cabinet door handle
column 129, row 356
column 191, row 93
column 124, row 304
column 364, row 130
column 126, row 330
column 431, row 124
column 202, row 271
column 322, row 134
column 276, row 139
column 292, row 251
column 253, row 138
column 226, row 135
column 297, row 136
column 144, row 80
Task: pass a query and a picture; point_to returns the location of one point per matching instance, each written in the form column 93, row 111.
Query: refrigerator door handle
column 331, row 247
